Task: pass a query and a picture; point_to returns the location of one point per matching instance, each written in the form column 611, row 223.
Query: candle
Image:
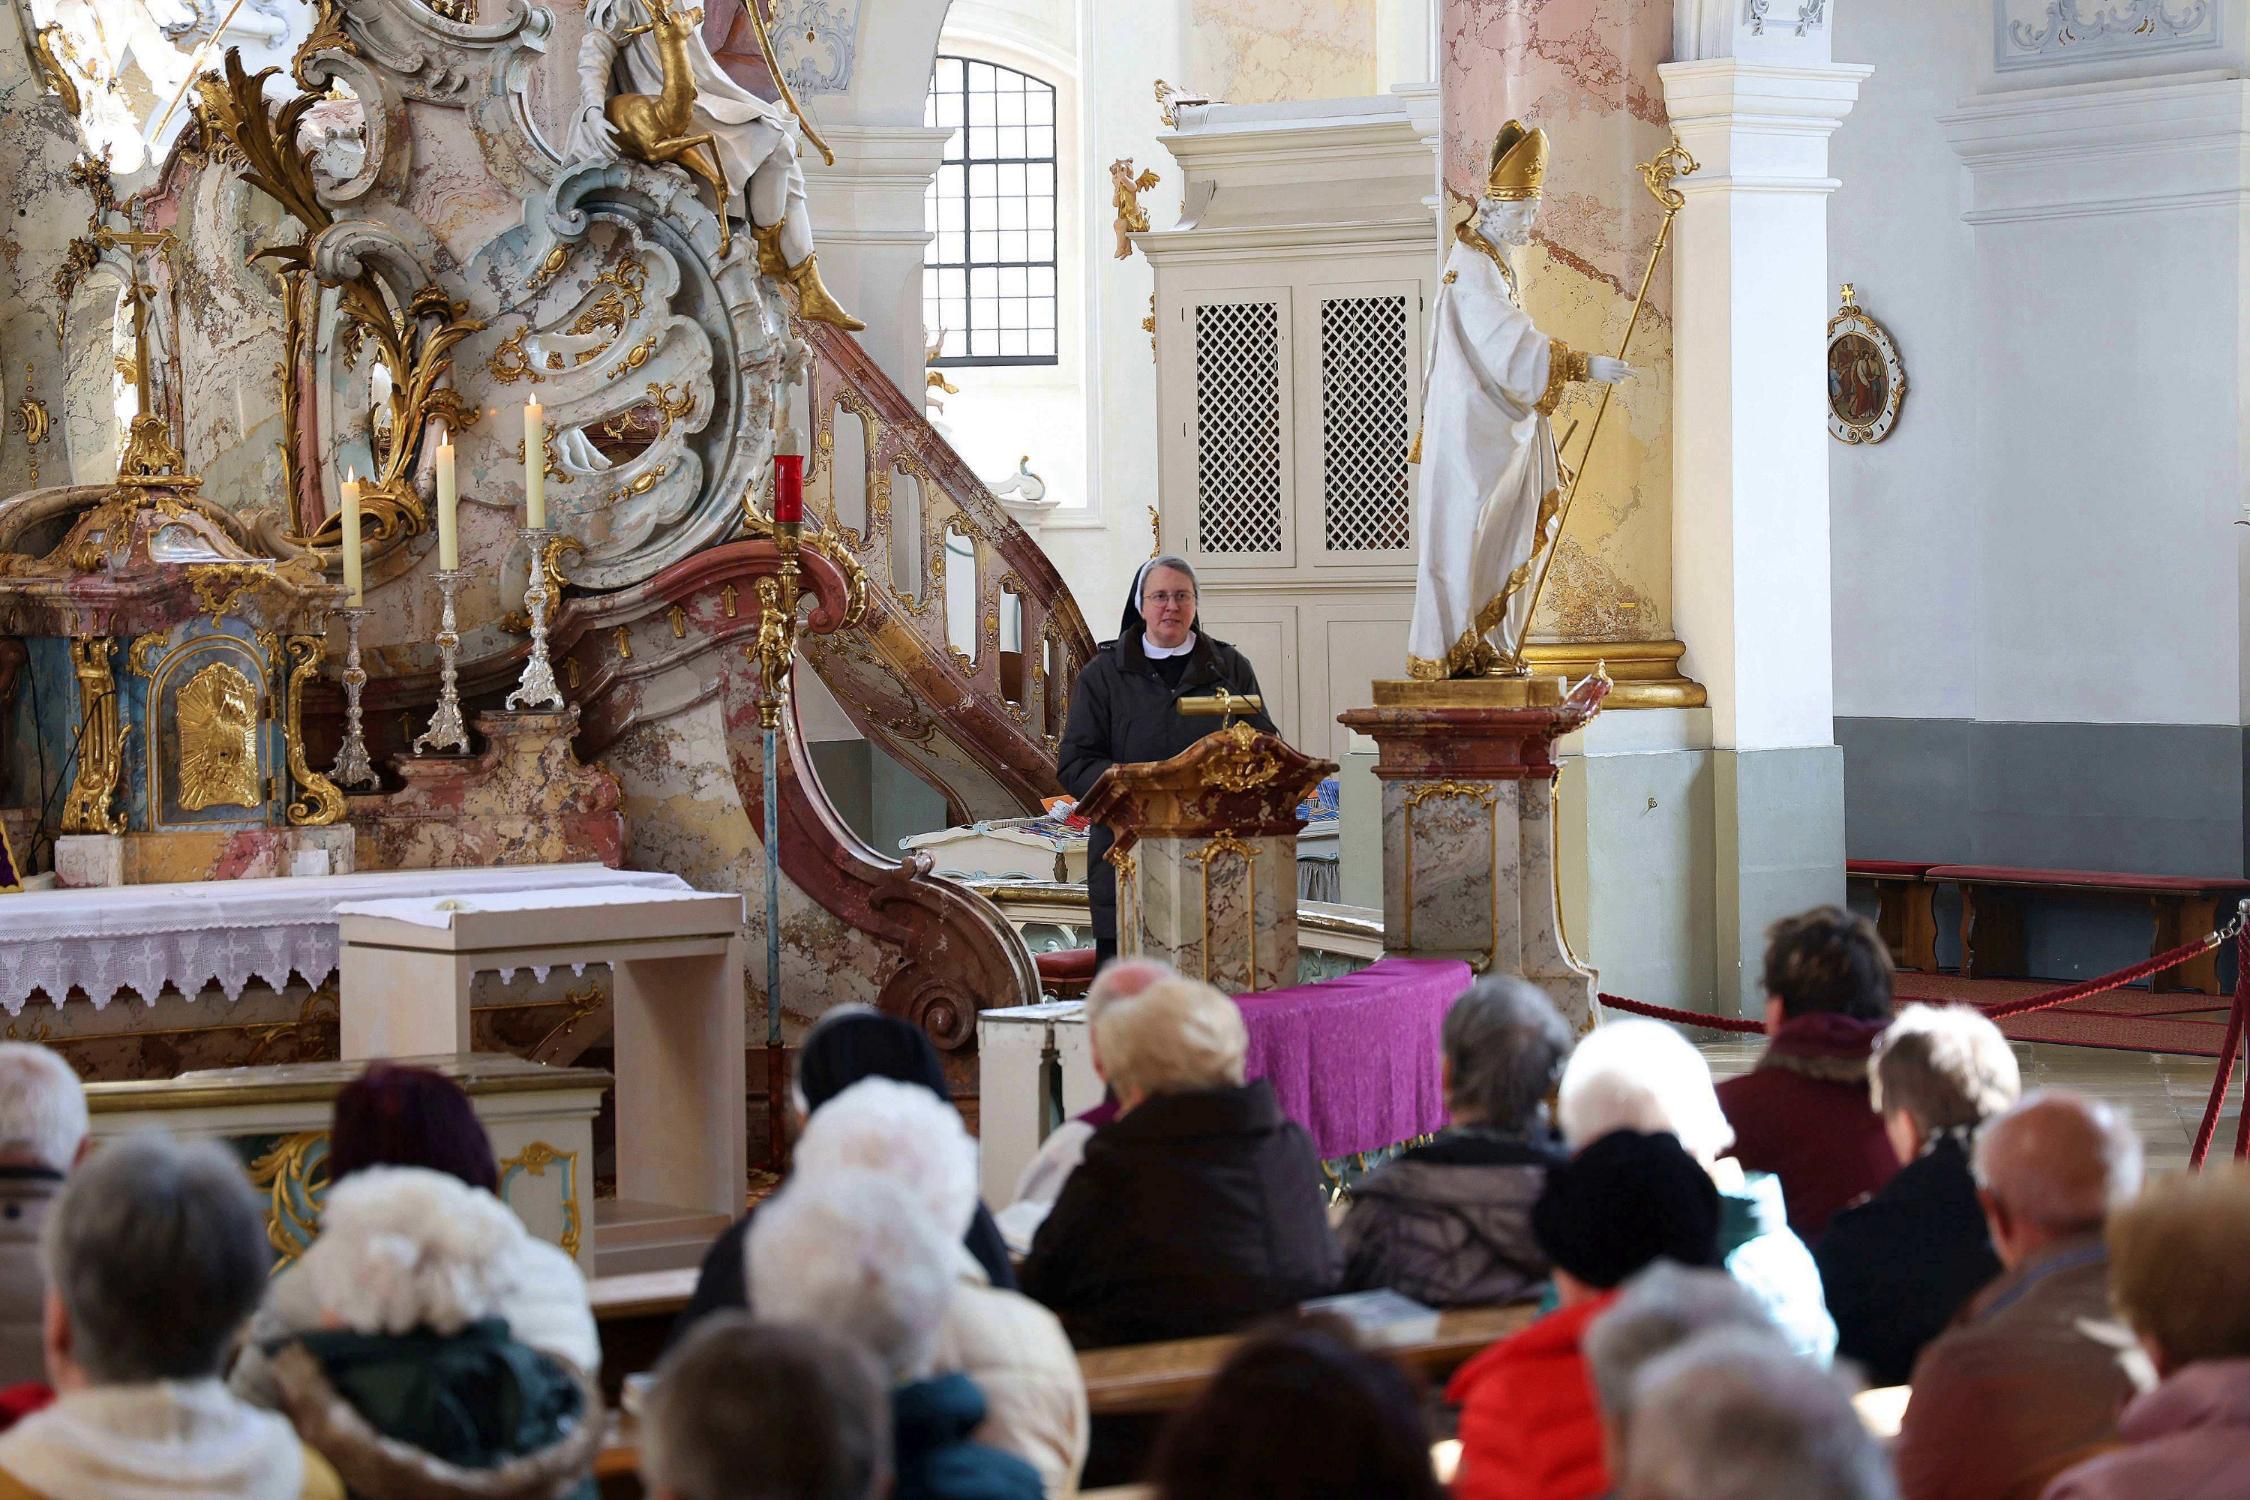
column 355, row 583
column 448, row 507
column 534, row 465
column 789, row 478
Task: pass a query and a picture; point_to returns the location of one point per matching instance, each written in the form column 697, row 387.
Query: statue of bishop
column 1491, row 484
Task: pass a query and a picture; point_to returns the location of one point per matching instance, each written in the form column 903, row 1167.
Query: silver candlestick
column 446, row 730
column 352, row 766
column 537, row 687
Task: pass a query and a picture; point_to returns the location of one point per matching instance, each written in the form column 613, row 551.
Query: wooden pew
column 1140, row 1380
column 1905, row 908
column 2181, row 909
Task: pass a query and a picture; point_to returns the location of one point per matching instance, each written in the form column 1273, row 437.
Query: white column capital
column 868, row 220
column 1759, row 123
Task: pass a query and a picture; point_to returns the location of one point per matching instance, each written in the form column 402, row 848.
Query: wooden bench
column 1905, row 909
column 1147, row 1379
column 1992, row 931
column 1165, row 1377
column 633, row 1316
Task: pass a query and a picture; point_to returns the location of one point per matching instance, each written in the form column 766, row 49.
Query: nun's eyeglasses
column 1172, row 596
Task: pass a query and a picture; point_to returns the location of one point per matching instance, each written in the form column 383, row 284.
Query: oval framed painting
column 1866, row 377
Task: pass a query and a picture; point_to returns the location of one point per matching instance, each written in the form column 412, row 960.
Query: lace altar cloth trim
column 144, row 937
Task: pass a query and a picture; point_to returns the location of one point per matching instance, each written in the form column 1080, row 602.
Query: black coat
column 1121, row 710
column 1900, row 1265
column 1193, row 1214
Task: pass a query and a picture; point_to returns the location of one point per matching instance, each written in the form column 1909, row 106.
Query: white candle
column 355, row 585
column 448, row 508
column 534, row 465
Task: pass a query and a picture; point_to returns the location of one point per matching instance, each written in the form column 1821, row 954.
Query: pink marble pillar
column 1585, row 70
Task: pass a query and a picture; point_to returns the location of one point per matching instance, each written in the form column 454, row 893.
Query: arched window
column 988, row 276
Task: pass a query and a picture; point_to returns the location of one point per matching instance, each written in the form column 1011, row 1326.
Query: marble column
column 868, row 213
column 1755, row 98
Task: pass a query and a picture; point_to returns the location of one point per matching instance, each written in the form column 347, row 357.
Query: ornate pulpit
column 1206, row 856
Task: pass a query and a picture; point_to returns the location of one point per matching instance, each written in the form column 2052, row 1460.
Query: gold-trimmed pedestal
column 1467, row 770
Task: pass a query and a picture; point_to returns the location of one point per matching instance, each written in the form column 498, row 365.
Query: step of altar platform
column 632, row 1238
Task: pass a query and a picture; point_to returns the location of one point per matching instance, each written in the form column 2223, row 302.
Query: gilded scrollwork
column 293, row 1174
column 101, row 742
column 318, row 802
column 1237, row 763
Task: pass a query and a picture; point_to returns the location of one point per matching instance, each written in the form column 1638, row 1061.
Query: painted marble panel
column 1446, row 865
column 1215, row 908
column 1586, row 71
column 1265, row 51
column 682, row 814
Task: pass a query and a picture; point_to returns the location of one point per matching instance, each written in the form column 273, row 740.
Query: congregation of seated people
column 1710, row 1278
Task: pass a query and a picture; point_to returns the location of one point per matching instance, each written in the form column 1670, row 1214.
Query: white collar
column 1159, row 653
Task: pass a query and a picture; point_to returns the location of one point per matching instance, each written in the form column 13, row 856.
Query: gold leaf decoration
column 216, row 716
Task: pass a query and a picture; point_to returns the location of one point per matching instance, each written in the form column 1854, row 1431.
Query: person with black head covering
column 848, row 1044
column 1125, row 706
column 1529, row 1427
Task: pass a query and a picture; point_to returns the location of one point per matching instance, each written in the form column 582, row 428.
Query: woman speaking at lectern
column 1125, row 707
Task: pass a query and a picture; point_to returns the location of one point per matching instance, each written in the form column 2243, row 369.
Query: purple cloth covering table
column 1356, row 1059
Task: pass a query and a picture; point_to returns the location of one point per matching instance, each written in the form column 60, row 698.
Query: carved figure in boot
column 750, row 140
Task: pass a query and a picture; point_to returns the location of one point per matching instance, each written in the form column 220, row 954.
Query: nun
column 1125, row 707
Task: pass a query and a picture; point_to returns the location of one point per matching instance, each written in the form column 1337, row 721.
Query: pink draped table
column 1356, row 1059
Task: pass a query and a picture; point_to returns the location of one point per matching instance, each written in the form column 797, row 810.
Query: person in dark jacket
column 1449, row 1223
column 1899, row 1266
column 846, row 1045
column 1124, row 707
column 1200, row 1209
column 1803, row 1114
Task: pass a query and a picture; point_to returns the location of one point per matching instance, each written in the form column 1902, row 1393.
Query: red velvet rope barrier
column 2230, row 1051
column 2171, row 958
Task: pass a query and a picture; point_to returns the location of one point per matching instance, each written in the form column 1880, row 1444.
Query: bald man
column 1065, row 1147
column 2032, row 1374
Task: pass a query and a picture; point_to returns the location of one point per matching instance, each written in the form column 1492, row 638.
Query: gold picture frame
column 1866, row 376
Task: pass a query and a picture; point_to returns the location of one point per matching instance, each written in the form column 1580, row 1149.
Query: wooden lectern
column 1206, row 856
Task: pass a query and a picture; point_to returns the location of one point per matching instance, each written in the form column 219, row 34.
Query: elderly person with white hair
column 2031, row 1376
column 1643, row 1075
column 414, row 1382
column 1065, row 1146
column 1731, row 1415
column 1201, row 1208
column 1448, row 1223
column 42, row 1135
column 1015, row 1351
column 1899, row 1266
column 155, row 1253
column 1657, row 1311
column 857, row 1255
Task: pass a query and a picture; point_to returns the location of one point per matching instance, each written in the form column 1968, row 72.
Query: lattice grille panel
column 1238, row 427
column 1364, row 411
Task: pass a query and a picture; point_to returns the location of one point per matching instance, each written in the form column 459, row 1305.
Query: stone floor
column 2163, row 1095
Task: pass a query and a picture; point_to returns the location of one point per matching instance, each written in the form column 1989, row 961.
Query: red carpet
column 2126, row 1020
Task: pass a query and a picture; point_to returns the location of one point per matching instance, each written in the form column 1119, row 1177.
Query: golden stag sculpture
column 654, row 127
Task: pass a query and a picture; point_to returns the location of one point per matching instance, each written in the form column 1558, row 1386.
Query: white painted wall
column 1903, row 514
column 2046, row 536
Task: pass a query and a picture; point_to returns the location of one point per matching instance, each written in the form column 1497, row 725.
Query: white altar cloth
column 143, row 937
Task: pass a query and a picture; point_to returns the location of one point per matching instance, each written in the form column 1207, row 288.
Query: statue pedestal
column 1206, row 856
column 526, row 800
column 1467, row 770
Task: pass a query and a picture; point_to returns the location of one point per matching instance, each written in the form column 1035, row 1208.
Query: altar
column 98, row 944
column 1356, row 1059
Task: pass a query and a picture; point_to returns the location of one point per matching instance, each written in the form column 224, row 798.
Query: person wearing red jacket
column 1529, row 1426
column 1804, row 1113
